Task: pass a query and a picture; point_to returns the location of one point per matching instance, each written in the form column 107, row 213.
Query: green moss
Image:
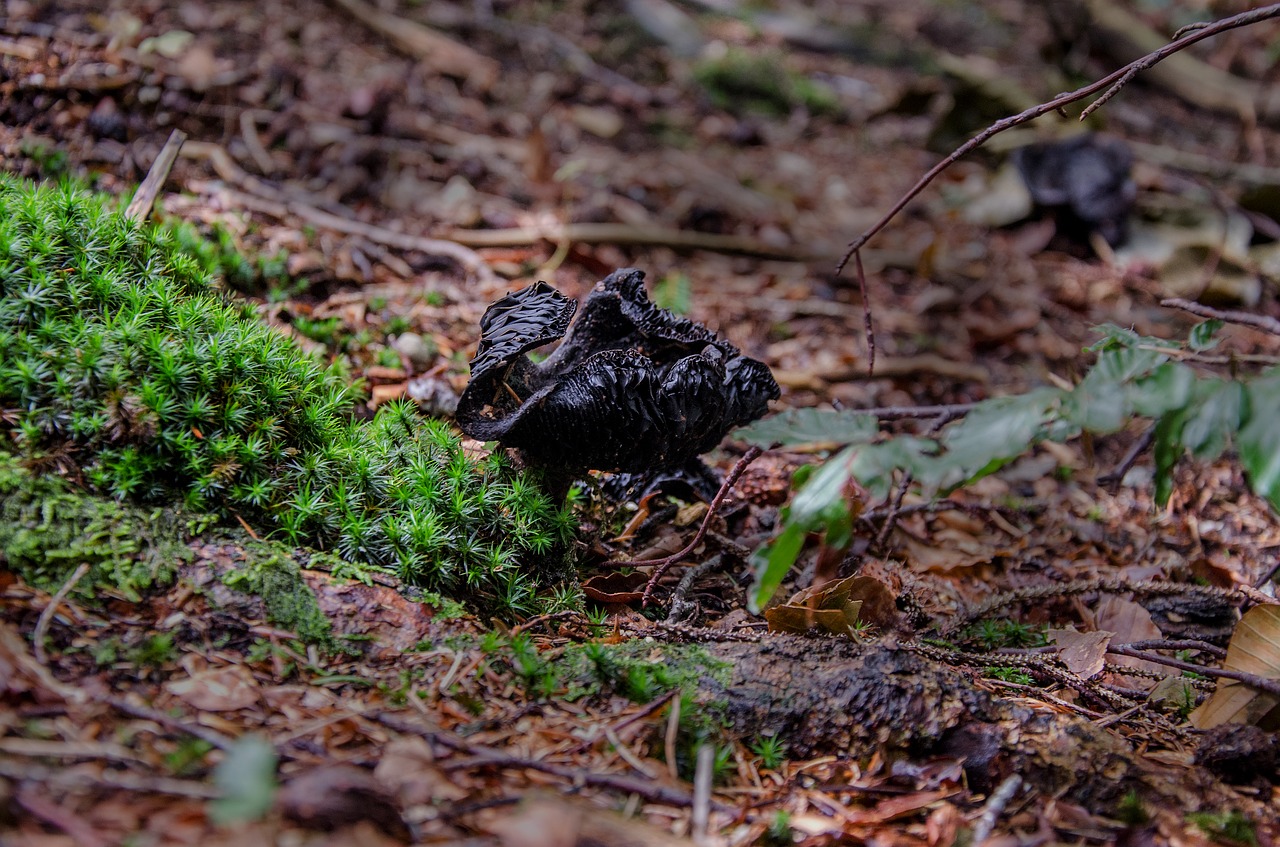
column 290, row 603
column 117, row 351
column 742, row 82
column 47, row 528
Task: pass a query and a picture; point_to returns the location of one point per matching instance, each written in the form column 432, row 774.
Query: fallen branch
column 46, row 616
column 627, row 235
column 273, row 203
column 661, row 566
column 1262, row 322
column 140, row 206
column 1261, row 683
column 209, row 736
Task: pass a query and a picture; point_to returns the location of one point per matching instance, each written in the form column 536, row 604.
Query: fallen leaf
column 1254, row 649
column 218, row 690
column 1128, row 622
column 407, row 769
column 330, row 797
column 1084, row 653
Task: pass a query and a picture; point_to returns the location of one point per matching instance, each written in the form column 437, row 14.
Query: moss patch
column 48, row 528
column 120, row 362
column 290, row 603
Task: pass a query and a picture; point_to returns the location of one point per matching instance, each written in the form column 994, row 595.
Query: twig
column 891, row 518
column 209, row 736
column 702, row 792
column 661, row 566
column 1180, row 644
column 279, row 206
column 638, row 715
column 630, row 235
column 994, row 808
column 139, row 208
column 1261, row 683
column 536, row 620
column 867, row 327
column 46, row 615
column 1139, row 447
column 1262, row 322
column 893, row 413
column 478, row 756
column 253, row 143
column 1268, row 576
column 681, row 607
column 1120, row 77
column 63, row 778
column 669, row 739
column 56, row 816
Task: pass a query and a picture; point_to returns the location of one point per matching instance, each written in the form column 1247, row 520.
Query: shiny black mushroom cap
column 631, row 388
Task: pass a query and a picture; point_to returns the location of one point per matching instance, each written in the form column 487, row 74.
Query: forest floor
column 388, row 187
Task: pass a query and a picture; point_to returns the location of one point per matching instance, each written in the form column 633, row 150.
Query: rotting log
column 839, row 697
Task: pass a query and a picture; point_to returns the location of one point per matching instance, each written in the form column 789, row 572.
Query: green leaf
column 821, row 504
column 771, row 563
column 1166, row 449
column 991, row 435
column 1201, row 337
column 1169, row 387
column 247, row 779
column 1214, row 418
column 811, row 427
column 1259, row 440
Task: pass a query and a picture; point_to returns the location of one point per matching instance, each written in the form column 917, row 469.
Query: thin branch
column 1105, row 84
column 217, row 739
column 1231, row 316
column 46, row 616
column 139, row 208
column 662, row 565
column 994, row 808
column 1260, row 683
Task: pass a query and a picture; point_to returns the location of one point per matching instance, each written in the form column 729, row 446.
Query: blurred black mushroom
column 631, row 388
column 1084, row 182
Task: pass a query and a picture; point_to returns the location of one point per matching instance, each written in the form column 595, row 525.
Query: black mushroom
column 1084, row 180
column 631, row 388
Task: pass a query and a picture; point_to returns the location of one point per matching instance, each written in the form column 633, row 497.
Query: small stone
column 419, row 352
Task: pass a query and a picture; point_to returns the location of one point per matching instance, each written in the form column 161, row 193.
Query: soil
column 398, row 189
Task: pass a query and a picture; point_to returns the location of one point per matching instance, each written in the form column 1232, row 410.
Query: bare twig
column 46, row 616
column 481, row 757
column 1231, row 316
column 895, row 507
column 661, row 566
column 1261, row 683
column 1106, row 84
column 538, row 620
column 994, row 808
column 140, row 206
column 702, row 791
column 217, row 739
column 867, row 327
column 273, row 202
column 1180, row 644
column 631, row 235
column 1139, row 447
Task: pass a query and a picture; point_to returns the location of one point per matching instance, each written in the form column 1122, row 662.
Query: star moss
column 121, row 364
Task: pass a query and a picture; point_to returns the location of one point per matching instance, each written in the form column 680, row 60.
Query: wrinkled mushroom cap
column 631, row 388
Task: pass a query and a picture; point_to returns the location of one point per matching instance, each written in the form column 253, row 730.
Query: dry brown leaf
column 407, row 768
column 1084, row 653
column 1129, row 622
column 218, row 690
column 1254, row 649
column 834, row 607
